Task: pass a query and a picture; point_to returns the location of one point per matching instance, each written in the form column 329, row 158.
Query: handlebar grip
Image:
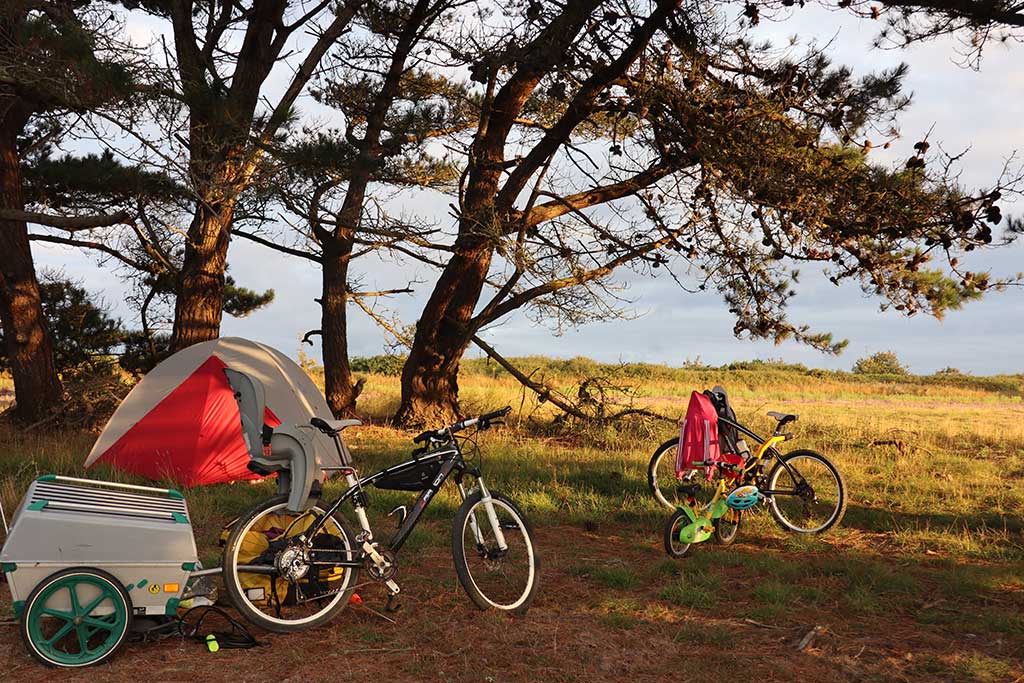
column 501, row 412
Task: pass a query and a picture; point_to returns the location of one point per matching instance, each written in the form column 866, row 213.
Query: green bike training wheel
column 76, row 617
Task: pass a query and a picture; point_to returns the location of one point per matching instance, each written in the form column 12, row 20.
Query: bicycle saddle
column 783, row 418
column 331, row 427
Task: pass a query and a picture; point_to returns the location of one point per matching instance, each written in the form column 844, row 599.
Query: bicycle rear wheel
column 661, row 475
column 495, row 578
column 266, row 537
column 808, row 494
column 727, row 527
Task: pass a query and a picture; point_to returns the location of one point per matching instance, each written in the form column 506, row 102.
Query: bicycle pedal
column 392, row 605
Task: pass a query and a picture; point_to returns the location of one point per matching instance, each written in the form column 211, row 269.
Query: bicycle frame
column 443, row 451
column 723, row 485
column 450, row 457
column 764, row 451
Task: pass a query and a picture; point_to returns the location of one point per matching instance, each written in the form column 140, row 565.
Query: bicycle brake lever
column 487, row 424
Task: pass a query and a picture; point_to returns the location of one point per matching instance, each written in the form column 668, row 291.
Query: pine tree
column 50, row 67
column 660, row 139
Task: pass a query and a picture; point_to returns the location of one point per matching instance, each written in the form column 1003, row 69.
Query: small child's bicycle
column 803, row 490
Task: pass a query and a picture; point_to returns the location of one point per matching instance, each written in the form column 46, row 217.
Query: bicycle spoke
column 501, row 577
column 271, row 597
column 807, row 494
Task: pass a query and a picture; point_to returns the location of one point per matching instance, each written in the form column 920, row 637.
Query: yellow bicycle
column 803, row 490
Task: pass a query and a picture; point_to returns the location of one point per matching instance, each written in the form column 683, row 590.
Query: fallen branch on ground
column 547, row 393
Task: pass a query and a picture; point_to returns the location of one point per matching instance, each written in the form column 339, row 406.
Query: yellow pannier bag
column 257, row 541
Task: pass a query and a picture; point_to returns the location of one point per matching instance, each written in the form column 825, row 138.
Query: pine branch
column 95, row 246
column 68, row 223
column 291, row 251
column 598, row 195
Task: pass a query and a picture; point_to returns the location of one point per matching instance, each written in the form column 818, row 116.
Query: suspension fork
column 477, row 535
column 492, row 516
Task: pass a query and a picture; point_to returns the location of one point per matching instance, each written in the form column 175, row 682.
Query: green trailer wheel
column 76, row 617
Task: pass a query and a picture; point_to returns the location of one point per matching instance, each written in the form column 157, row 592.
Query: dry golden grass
column 932, row 545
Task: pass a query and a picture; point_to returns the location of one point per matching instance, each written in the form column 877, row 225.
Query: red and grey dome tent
column 181, row 421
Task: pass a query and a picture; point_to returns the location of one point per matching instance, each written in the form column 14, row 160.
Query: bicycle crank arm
column 377, row 558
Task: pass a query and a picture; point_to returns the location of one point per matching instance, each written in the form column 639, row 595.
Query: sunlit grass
column 934, row 469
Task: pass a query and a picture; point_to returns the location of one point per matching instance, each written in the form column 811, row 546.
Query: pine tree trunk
column 430, row 377
column 29, row 346
column 200, row 302
column 338, row 386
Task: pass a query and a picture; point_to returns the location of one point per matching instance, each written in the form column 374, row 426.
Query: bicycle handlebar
column 483, row 420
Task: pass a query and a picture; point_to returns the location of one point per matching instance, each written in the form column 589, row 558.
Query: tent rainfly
column 181, row 421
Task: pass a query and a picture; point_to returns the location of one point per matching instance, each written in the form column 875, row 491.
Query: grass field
column 924, row 580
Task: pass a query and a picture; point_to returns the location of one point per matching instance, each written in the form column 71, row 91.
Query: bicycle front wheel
column 266, row 539
column 673, row 545
column 495, row 577
column 808, row 495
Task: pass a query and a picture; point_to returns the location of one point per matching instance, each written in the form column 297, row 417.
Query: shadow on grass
column 787, row 588
column 875, row 519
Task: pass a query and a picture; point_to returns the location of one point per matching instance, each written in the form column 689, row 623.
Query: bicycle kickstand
column 392, row 605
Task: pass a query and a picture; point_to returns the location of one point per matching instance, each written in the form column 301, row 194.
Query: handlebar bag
column 698, row 437
column 414, row 476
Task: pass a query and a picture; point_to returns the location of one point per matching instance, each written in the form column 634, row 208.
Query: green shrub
column 881, row 363
column 379, row 365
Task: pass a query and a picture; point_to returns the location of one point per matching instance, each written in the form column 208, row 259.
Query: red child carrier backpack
column 698, row 437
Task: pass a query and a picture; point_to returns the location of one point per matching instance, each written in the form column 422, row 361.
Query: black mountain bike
column 290, row 571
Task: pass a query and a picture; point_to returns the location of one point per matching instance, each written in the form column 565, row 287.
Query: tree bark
column 430, row 377
column 200, row 301
column 430, row 385
column 340, row 391
column 446, row 327
column 223, row 159
column 27, row 339
column 337, row 245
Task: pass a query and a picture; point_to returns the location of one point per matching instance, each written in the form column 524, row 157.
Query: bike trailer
column 82, row 556
column 140, row 535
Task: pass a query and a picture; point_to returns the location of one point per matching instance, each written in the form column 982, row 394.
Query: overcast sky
column 980, row 110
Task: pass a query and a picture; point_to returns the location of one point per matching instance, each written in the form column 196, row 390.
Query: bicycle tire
column 838, row 509
column 673, row 546
column 726, row 532
column 520, row 602
column 665, row 498
column 236, row 592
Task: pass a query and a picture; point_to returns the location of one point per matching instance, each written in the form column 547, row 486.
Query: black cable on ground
column 237, row 638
